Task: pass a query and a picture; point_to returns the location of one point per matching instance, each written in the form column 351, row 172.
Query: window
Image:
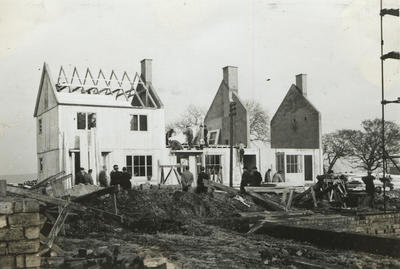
column 142, row 165
column 139, row 123
column 40, row 165
column 83, row 118
column 213, row 137
column 293, row 163
column 280, row 162
column 40, row 126
column 213, row 163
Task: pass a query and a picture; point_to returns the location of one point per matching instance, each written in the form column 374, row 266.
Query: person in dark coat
column 256, row 177
column 115, row 176
column 268, row 176
column 168, row 135
column 88, row 179
column 126, row 179
column 201, row 188
column 369, row 188
column 246, row 180
column 80, row 176
column 205, row 135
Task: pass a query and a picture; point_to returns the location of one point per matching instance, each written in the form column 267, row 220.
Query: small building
column 296, row 136
column 89, row 121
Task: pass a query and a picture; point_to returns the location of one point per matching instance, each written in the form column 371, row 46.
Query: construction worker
column 115, row 176
column 186, row 179
column 201, row 188
column 103, row 178
column 246, row 180
column 189, row 136
column 125, row 179
column 256, row 177
column 168, row 135
column 205, row 131
column 88, row 179
column 268, row 176
column 369, row 188
column 80, row 176
column 277, row 177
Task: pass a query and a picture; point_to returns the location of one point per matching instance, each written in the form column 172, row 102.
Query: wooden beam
column 57, row 226
column 94, row 194
column 41, row 183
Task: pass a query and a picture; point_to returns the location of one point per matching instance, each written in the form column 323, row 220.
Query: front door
column 308, row 167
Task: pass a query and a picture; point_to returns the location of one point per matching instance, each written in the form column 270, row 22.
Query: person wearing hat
column 246, row 180
column 256, row 177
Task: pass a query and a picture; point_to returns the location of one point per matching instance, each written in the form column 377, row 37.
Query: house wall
column 218, row 117
column 297, row 179
column 296, row 124
column 113, row 135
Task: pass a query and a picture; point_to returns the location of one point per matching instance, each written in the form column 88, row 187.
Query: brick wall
column 19, row 233
column 296, row 124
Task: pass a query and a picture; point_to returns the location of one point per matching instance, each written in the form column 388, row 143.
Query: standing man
column 80, row 176
column 201, row 188
column 189, row 136
column 256, row 177
column 88, row 179
column 277, row 177
column 268, row 176
column 205, row 135
column 186, row 180
column 168, row 135
column 245, row 180
column 115, row 176
column 103, row 178
column 125, row 179
column 369, row 188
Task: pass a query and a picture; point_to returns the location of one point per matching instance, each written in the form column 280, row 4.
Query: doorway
column 308, row 167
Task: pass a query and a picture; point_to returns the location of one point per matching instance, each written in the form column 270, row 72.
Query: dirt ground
column 172, row 227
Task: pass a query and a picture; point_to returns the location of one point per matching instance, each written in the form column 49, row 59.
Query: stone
column 20, row 261
column 32, row 232
column 11, row 234
column 26, row 206
column 24, row 246
column 32, row 261
column 7, row 262
column 3, row 221
column 3, row 248
column 24, row 219
column 6, row 207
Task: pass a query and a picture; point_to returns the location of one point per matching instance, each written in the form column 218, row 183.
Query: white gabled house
column 89, row 121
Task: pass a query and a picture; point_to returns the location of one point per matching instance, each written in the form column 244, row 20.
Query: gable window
column 139, row 123
column 140, row 165
column 40, row 126
column 40, row 165
column 86, row 120
column 293, row 163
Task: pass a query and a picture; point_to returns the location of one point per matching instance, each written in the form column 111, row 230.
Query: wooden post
column 3, row 188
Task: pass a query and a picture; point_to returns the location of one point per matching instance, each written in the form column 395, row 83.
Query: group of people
column 188, row 132
column 253, row 178
column 116, row 177
column 187, row 180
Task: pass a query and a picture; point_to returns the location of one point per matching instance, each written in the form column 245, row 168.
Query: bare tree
column 258, row 121
column 366, row 145
column 192, row 116
column 335, row 146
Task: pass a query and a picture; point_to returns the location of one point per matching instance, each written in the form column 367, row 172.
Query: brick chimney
column 146, row 70
column 231, row 77
column 301, row 83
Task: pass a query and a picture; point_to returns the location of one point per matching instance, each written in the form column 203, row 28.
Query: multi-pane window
column 86, row 120
column 140, row 165
column 293, row 163
column 138, row 122
column 40, row 126
column 213, row 163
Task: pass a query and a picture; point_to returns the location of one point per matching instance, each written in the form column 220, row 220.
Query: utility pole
column 393, row 55
column 232, row 113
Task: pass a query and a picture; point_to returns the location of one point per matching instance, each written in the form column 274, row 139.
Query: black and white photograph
column 180, row 134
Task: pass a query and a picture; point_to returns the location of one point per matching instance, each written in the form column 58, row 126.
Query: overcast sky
column 335, row 42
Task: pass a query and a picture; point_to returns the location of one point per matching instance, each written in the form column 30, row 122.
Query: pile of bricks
column 19, row 233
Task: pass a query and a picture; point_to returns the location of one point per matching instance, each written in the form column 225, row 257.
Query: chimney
column 301, row 83
column 146, row 70
column 231, row 77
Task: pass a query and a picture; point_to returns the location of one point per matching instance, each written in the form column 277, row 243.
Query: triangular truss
column 133, row 90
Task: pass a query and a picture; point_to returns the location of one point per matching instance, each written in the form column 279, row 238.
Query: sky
column 335, row 42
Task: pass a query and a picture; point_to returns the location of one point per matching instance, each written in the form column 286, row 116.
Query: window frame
column 138, row 123
column 293, row 164
column 131, row 166
column 88, row 125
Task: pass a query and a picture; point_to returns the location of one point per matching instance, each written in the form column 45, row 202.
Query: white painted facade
column 59, row 140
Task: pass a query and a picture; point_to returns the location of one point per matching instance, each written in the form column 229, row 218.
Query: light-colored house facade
column 90, row 121
column 296, row 136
